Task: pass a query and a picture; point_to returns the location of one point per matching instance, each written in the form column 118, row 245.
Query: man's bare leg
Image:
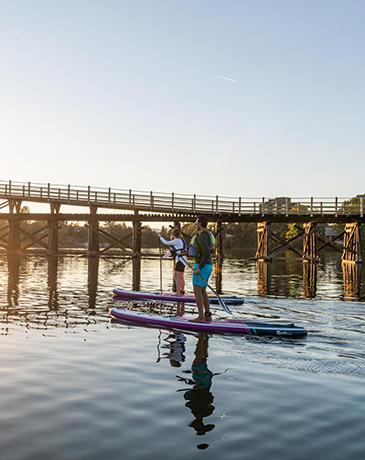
column 206, row 303
column 199, row 303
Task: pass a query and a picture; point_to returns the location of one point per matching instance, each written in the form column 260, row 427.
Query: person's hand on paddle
column 197, row 271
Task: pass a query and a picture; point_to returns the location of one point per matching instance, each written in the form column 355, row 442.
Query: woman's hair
column 175, row 232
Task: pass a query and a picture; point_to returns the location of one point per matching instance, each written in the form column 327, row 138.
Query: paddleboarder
column 203, row 245
column 178, row 251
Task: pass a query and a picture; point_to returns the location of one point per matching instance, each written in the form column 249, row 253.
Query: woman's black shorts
column 179, row 267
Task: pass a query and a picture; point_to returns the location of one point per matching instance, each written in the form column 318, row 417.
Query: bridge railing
column 171, row 202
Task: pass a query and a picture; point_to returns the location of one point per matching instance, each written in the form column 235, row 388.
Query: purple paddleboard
column 213, row 327
column 157, row 297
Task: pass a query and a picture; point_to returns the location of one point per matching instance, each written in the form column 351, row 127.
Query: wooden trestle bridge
column 138, row 206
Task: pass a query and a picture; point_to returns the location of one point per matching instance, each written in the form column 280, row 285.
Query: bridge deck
column 229, row 208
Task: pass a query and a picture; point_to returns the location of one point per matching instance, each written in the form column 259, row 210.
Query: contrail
column 222, row 77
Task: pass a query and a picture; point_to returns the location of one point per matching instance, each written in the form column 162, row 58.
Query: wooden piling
column 310, row 253
column 351, row 243
column 53, row 229
column 351, row 273
column 263, row 242
column 219, row 256
column 14, row 246
column 136, row 256
column 93, row 243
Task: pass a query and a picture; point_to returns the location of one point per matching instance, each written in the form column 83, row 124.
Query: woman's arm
column 173, row 242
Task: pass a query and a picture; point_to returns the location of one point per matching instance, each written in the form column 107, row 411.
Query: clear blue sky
column 251, row 98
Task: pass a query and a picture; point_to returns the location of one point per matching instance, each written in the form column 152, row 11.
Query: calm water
column 73, row 385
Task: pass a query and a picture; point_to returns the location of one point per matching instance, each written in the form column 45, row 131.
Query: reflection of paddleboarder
column 176, row 344
column 199, row 399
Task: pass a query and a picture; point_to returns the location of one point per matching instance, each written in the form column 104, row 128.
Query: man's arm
column 204, row 242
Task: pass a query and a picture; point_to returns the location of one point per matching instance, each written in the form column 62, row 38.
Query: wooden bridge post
column 310, row 242
column 53, row 229
column 14, row 246
column 351, row 243
column 219, row 256
column 263, row 241
column 136, row 250
column 93, row 243
column 351, row 281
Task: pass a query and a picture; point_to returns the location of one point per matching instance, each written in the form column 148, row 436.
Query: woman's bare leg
column 180, row 286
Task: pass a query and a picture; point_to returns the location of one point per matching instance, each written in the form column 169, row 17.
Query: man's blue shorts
column 203, row 277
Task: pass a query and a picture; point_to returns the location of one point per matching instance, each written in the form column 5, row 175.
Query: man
column 202, row 268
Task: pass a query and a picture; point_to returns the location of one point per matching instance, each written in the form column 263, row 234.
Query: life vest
column 193, row 247
column 179, row 252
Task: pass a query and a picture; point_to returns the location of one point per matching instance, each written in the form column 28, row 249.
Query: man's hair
column 203, row 220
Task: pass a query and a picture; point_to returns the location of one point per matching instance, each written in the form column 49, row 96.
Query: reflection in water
column 175, row 343
column 309, row 279
column 13, row 280
column 263, row 277
column 52, row 282
column 92, row 280
column 218, row 270
column 199, row 398
column 71, row 291
column 351, row 280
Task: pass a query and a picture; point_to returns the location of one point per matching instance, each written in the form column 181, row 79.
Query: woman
column 178, row 250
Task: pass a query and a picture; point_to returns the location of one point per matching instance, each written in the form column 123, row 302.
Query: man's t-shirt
column 204, row 249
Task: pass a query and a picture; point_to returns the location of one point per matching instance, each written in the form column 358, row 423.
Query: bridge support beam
column 93, row 243
column 219, row 255
column 310, row 253
column 263, row 241
column 14, row 246
column 136, row 256
column 351, row 243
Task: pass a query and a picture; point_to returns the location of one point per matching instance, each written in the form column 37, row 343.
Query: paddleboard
column 213, row 327
column 158, row 297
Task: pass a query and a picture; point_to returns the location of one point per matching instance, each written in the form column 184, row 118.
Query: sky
column 233, row 98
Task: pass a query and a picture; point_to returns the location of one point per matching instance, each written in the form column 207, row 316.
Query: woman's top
column 180, row 246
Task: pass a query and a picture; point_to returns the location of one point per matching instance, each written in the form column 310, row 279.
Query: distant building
column 276, row 205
